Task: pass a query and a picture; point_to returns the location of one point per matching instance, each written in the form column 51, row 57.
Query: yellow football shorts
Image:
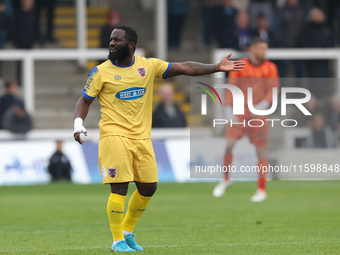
column 123, row 159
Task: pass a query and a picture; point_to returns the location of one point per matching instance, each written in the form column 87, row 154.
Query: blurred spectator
column 168, row 114
column 59, row 165
column 208, row 8
column 3, row 23
column 25, row 32
column 329, row 7
column 112, row 20
column 332, row 114
column 321, row 135
column 241, row 37
column 13, row 115
column 337, row 26
column 5, row 15
column 25, row 29
column 224, row 24
column 49, row 5
column 317, row 34
column 177, row 13
column 9, row 98
column 263, row 31
column 263, row 7
column 3, row 27
column 291, row 21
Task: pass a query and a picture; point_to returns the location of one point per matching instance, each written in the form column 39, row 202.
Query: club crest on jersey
column 141, row 71
column 131, row 93
column 113, row 172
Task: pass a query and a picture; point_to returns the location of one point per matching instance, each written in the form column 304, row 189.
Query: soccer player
column 254, row 75
column 124, row 86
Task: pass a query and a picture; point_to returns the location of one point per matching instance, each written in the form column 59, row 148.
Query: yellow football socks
column 137, row 206
column 115, row 211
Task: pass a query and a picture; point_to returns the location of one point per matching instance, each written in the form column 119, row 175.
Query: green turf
column 297, row 218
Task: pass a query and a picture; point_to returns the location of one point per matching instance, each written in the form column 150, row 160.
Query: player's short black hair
column 257, row 40
column 130, row 33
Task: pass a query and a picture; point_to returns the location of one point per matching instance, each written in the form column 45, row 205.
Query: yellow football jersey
column 125, row 94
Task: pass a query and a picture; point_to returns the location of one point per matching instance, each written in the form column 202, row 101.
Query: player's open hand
column 227, row 65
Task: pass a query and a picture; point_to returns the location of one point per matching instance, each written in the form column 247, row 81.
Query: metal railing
column 28, row 57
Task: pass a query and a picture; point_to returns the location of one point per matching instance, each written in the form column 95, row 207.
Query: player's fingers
column 229, row 55
column 79, row 140
column 77, row 137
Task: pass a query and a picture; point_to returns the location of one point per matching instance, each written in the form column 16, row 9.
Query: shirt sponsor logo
column 131, row 94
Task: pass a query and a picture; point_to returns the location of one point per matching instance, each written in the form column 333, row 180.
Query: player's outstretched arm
column 82, row 108
column 196, row 69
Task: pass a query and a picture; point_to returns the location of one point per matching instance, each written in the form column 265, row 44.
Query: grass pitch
column 298, row 218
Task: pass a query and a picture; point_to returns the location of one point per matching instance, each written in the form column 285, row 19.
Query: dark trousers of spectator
column 208, row 20
column 20, row 66
column 175, row 28
column 60, row 173
column 50, row 6
column 3, row 37
column 298, row 66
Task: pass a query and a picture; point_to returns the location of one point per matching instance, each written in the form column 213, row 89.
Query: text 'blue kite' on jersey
column 131, row 93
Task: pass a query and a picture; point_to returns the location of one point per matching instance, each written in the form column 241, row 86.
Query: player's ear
column 132, row 45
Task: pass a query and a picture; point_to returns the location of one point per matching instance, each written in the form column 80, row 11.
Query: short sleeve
column 162, row 67
column 93, row 84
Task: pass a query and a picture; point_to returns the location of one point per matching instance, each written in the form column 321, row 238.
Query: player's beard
column 120, row 54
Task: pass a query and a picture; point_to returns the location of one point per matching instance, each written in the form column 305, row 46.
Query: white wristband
column 78, row 125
